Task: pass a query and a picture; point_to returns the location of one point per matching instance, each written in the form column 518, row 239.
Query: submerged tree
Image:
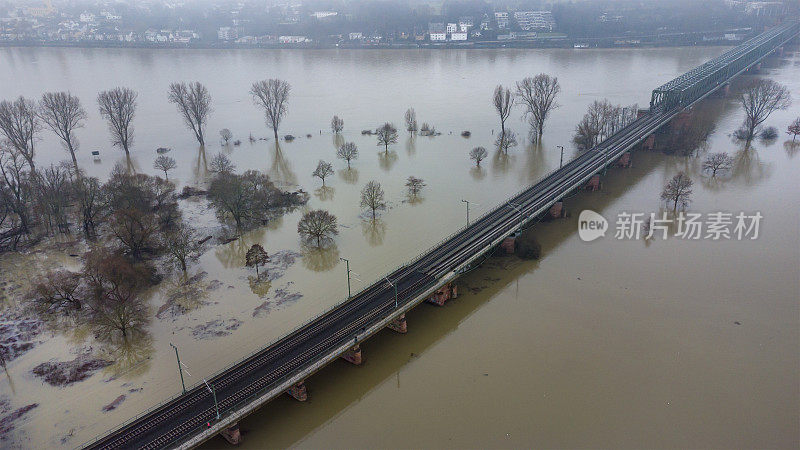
column 794, row 129
column 348, row 152
column 538, row 95
column 503, row 102
column 92, row 204
column 761, row 98
column 19, row 122
column 478, row 154
column 678, row 191
column 414, row 185
column 194, row 103
column 337, row 124
column 372, row 197
column 256, row 256
column 118, row 107
column 323, row 170
column 63, row 113
column 506, row 141
column 273, row 96
column 182, row 245
column 165, row 164
column 226, row 135
column 411, row 120
column 387, row 135
column 317, row 226
column 716, row 162
column 58, row 292
column 220, row 163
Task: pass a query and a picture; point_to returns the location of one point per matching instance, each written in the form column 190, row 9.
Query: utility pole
column 180, row 370
column 214, row 394
column 347, row 261
column 395, row 290
column 561, row 162
column 467, row 202
column 519, row 210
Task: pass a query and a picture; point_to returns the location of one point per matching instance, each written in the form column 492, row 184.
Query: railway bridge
column 192, row 418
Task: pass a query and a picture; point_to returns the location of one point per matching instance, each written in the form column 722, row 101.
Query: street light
column 347, row 261
column 519, row 210
column 395, row 290
column 561, row 162
column 214, row 393
column 180, row 370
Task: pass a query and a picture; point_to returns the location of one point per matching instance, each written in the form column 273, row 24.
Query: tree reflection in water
column 259, row 285
column 231, row 255
column 502, row 161
column 387, row 159
column 748, row 168
column 477, row 173
column 792, row 148
column 338, row 141
column 411, row 145
column 374, row 230
column 280, row 172
column 349, row 176
column 325, row 193
column 201, row 167
column 130, row 356
column 320, row 259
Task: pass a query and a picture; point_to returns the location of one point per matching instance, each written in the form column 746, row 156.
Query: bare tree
column 194, row 103
column 538, row 94
column 348, row 152
column 91, row 204
column 226, row 135
column 411, row 120
column 118, row 107
column 256, row 256
column 372, row 197
column 63, row 113
column 273, row 96
column 678, row 191
column 17, row 192
column 760, row 99
column 337, row 124
column 601, row 121
column 53, row 197
column 323, row 170
column 57, row 292
column 506, row 140
column 182, row 245
column 19, row 122
column 503, row 102
column 478, row 154
column 164, row 163
column 794, row 129
column 387, row 134
column 318, row 226
column 414, row 185
column 716, row 162
column 220, row 163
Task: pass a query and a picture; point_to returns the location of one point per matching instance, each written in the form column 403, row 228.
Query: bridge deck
column 255, row 379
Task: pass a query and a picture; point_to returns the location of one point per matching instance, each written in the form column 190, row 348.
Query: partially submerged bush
column 526, row 246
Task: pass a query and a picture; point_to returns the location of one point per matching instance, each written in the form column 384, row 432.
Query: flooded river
column 613, row 343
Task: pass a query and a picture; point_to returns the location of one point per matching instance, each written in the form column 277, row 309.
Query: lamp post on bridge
column 180, row 370
column 394, row 285
column 467, row 202
column 561, row 161
column 214, row 394
column 347, row 261
column 519, row 210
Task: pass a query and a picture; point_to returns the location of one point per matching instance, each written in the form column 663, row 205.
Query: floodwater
column 614, row 343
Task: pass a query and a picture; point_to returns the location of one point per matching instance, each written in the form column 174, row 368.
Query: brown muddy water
column 614, row 343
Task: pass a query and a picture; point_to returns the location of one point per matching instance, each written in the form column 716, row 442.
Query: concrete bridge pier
column 557, row 210
column 779, row 51
column 232, row 434
column 594, row 183
column 624, row 160
column 399, row 325
column 353, row 355
column 445, row 293
column 298, row 391
column 649, row 143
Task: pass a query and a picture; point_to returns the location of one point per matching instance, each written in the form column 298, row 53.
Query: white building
column 227, row 34
column 458, row 36
column 452, row 27
column 438, row 36
column 535, row 20
column 465, row 23
column 356, row 36
column 502, row 20
column 87, row 17
column 324, row 14
column 292, row 39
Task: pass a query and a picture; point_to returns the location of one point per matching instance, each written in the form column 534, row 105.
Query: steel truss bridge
column 190, row 419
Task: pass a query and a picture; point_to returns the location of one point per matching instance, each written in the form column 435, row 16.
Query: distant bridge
column 191, row 418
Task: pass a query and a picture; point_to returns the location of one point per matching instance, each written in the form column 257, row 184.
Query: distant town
column 317, row 24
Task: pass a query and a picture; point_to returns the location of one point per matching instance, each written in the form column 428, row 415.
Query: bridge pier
column 594, row 183
column 399, row 325
column 779, row 51
column 557, row 209
column 232, row 434
column 649, row 143
column 298, row 391
column 443, row 294
column 353, row 355
column 624, row 160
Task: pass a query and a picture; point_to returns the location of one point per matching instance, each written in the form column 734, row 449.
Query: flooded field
column 614, row 343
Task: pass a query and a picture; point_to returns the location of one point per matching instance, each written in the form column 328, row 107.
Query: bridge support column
column 298, row 392
column 624, row 160
column 399, row 325
column 594, row 183
column 353, row 355
column 443, row 294
column 779, row 51
column 508, row 245
column 649, row 143
column 681, row 121
column 232, row 434
column 557, row 209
